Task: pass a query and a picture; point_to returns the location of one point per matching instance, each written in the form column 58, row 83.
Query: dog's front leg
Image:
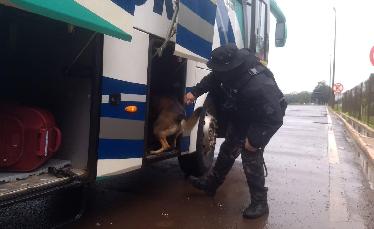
column 166, row 143
column 164, row 146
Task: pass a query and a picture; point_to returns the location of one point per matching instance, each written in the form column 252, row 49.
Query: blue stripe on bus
column 118, row 111
column 185, row 144
column 110, row 86
column 224, row 25
column 128, row 5
column 206, row 9
column 120, row 149
column 193, row 42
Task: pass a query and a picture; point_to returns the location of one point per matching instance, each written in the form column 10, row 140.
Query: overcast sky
column 305, row 60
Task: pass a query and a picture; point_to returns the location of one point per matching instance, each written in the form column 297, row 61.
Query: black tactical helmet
column 228, row 57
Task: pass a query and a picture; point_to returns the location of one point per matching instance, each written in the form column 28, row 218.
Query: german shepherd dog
column 171, row 121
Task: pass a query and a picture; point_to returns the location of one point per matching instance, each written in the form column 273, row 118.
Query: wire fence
column 359, row 102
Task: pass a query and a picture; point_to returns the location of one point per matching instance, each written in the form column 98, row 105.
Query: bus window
column 247, row 10
column 261, row 30
column 239, row 31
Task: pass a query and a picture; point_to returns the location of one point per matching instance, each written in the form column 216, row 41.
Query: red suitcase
column 28, row 138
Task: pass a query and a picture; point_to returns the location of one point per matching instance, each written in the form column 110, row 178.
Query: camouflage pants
column 253, row 165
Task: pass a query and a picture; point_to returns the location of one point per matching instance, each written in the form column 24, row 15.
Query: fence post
column 370, row 99
column 358, row 102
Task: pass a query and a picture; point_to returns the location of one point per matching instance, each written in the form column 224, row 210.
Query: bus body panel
column 125, row 78
column 121, row 145
column 153, row 17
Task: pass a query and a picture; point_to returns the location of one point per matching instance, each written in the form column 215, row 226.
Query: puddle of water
column 324, row 123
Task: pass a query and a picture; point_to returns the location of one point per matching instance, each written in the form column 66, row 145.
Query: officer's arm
column 205, row 85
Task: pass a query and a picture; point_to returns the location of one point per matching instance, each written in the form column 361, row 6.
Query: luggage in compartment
column 28, row 137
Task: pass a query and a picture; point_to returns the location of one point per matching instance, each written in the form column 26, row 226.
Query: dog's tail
column 189, row 123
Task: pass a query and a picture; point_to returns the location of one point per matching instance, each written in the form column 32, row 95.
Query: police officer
column 253, row 107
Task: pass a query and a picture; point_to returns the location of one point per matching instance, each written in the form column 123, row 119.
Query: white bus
column 97, row 64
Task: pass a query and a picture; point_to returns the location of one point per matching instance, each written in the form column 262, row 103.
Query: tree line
column 320, row 95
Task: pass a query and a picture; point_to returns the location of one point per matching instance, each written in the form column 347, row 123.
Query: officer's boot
column 229, row 151
column 253, row 164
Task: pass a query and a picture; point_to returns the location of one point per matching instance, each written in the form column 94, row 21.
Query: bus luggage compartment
column 51, row 66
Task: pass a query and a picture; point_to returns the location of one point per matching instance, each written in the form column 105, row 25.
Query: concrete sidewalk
column 363, row 135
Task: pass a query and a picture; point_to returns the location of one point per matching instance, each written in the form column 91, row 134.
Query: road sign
column 372, row 55
column 338, row 88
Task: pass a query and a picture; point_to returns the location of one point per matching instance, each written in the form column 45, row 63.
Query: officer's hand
column 189, row 98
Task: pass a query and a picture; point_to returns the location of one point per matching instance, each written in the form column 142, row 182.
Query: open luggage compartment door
column 42, row 87
column 103, row 16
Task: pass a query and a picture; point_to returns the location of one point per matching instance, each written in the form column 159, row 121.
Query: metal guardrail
column 359, row 102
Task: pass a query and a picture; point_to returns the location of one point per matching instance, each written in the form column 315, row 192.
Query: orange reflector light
column 131, row 109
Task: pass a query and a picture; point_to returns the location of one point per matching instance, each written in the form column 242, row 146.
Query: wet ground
column 314, row 181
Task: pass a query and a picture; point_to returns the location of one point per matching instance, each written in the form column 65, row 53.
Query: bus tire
column 200, row 161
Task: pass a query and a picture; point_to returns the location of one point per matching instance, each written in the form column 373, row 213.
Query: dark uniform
column 253, row 108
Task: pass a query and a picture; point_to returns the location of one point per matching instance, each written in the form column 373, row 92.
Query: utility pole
column 333, row 63
column 330, row 79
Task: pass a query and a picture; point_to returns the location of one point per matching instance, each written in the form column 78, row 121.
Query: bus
column 97, row 65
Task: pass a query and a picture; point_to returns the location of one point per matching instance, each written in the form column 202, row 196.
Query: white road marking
column 339, row 216
column 332, row 148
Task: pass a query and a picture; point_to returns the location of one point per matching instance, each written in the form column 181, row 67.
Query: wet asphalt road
column 314, row 182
